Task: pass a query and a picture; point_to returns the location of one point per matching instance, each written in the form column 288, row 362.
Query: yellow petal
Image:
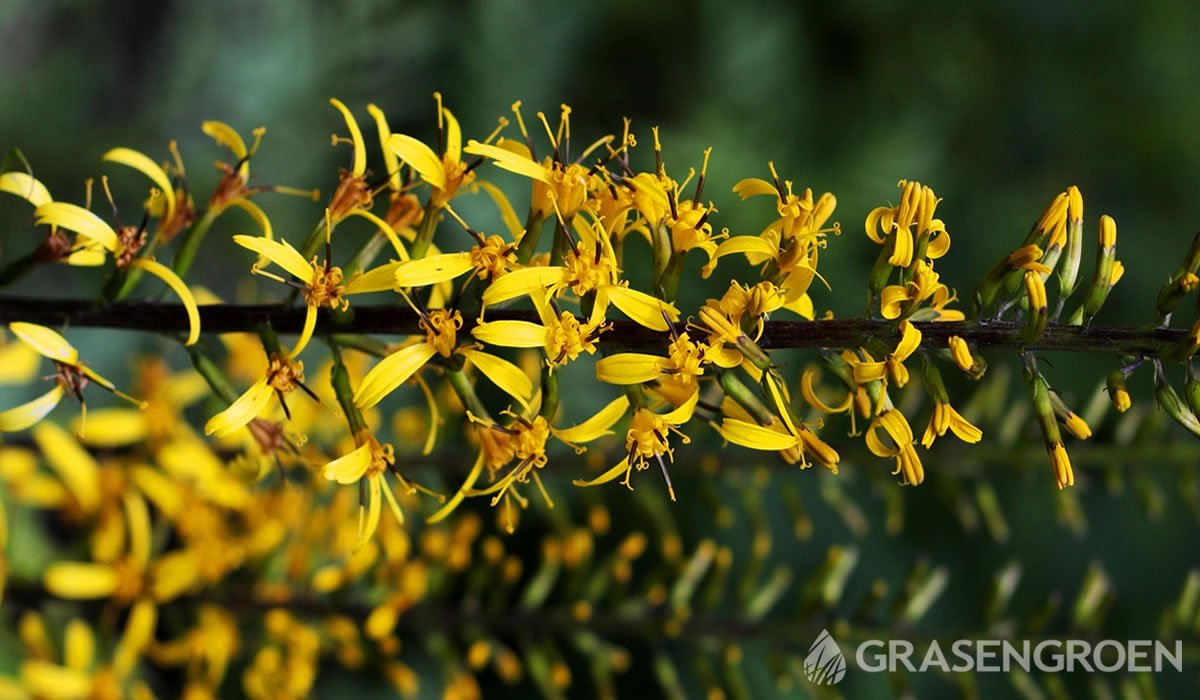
column 75, row 218
column 502, row 373
column 137, row 515
column 75, row 467
column 80, row 581
column 802, row 307
column 391, row 372
column 507, row 214
column 279, row 252
column 597, row 426
column 754, row 187
column 385, row 228
column 683, row 412
column 910, row 340
column 226, row 136
column 453, row 137
column 379, row 279
column 420, row 157
column 246, row 408
column 459, row 495
column 79, row 645
column 510, row 161
column 521, row 282
column 47, row 680
column 641, row 307
column 389, row 158
column 749, row 245
column 26, row 187
column 46, row 342
column 259, row 216
column 360, row 148
column 348, row 469
column 619, row 469
column 28, row 414
column 168, row 276
column 511, row 334
column 144, row 165
column 629, row 368
column 310, row 324
column 174, row 574
column 433, row 269
column 138, row 634
column 755, row 436
column 368, row 529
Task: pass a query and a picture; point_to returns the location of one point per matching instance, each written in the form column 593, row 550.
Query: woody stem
column 161, row 317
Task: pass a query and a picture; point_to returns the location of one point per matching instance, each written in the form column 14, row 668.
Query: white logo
column 825, row 664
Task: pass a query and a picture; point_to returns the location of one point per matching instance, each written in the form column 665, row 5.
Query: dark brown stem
column 399, row 320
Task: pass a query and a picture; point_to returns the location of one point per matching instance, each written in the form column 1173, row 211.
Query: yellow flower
column 370, row 461
column 123, row 246
column 590, row 267
column 960, row 352
column 71, row 375
column 897, row 300
column 489, row 258
column 81, row 673
column 917, row 206
column 441, row 338
column 779, row 437
column 524, row 439
column 284, row 375
column 559, row 183
column 908, row 464
column 1064, row 475
column 447, row 173
column 561, row 335
column 946, row 418
column 868, row 370
column 683, row 363
column 319, row 284
column 648, row 438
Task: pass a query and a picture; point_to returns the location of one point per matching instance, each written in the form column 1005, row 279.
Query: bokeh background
column 997, row 105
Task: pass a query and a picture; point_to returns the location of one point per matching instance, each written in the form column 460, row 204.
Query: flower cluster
column 464, row 286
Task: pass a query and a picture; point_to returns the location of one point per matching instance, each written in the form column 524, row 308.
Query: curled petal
column 646, row 310
column 521, row 283
column 168, row 276
column 144, row 165
column 26, row 187
column 75, row 218
column 356, row 138
column 597, row 426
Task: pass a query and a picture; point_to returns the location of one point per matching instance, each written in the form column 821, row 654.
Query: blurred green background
column 997, row 106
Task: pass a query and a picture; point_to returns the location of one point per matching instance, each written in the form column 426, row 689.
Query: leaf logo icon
column 825, row 664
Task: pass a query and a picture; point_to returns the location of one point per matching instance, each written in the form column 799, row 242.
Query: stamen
column 666, row 475
column 173, row 147
column 313, row 194
column 437, row 97
column 283, row 402
column 87, row 193
column 496, row 132
column 778, row 185
column 111, row 203
column 474, row 234
column 700, row 181
column 258, row 134
column 658, row 156
column 516, row 110
column 550, row 133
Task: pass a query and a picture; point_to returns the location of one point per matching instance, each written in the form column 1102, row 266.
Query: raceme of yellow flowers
column 501, row 316
column 710, row 372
